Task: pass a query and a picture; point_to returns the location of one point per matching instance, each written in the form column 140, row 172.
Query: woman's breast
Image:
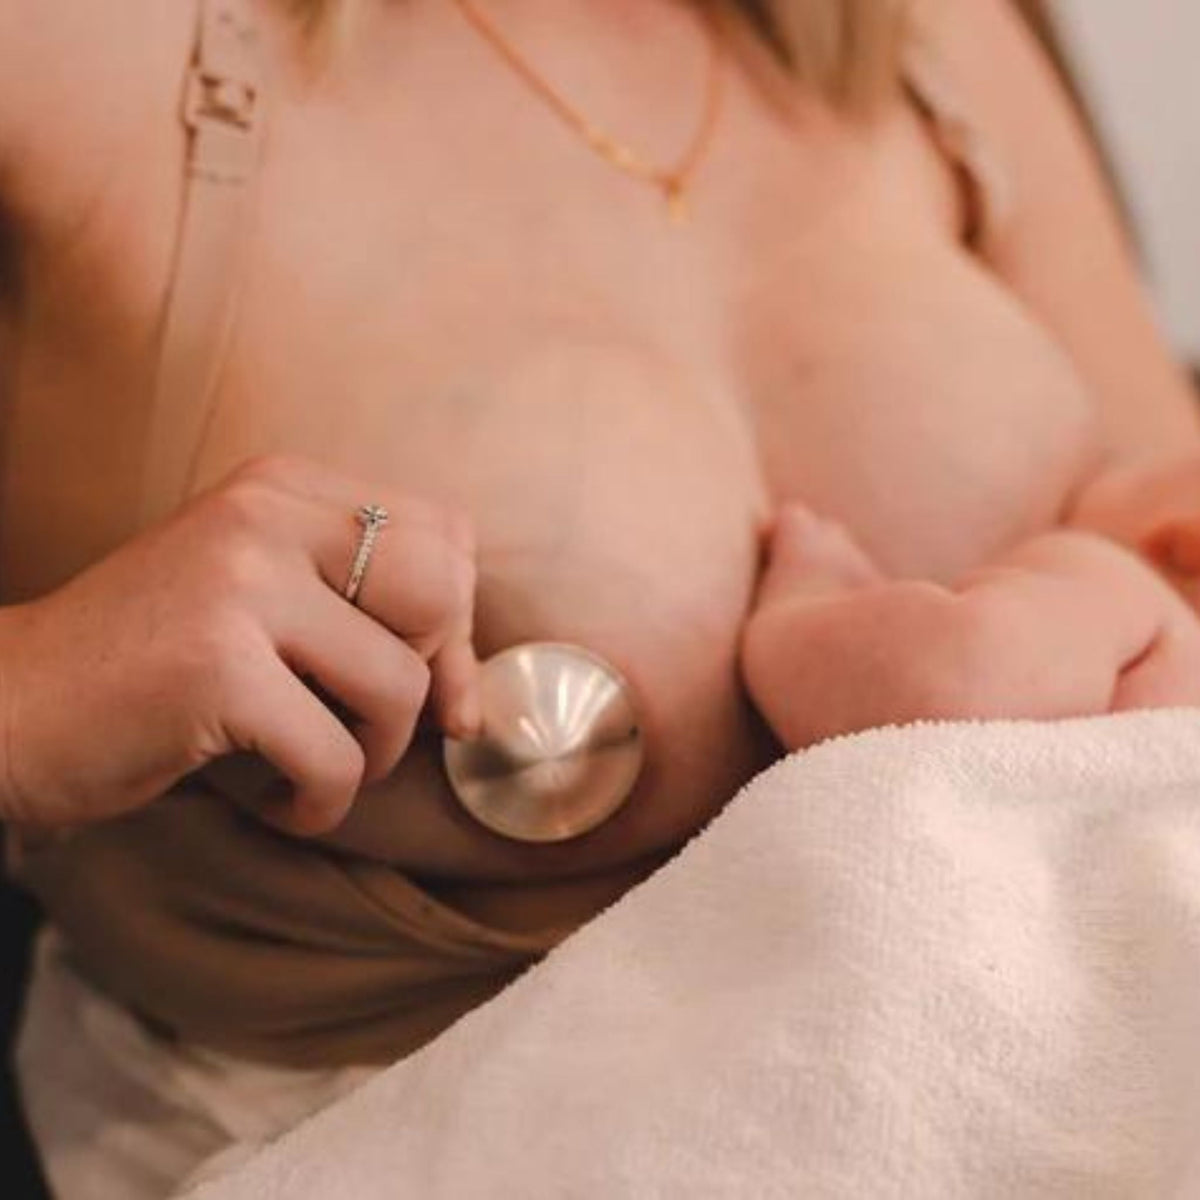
column 904, row 392
column 619, row 486
column 619, row 475
column 615, row 406
column 617, row 502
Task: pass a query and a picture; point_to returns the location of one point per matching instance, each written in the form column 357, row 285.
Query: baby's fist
column 808, row 557
column 809, row 561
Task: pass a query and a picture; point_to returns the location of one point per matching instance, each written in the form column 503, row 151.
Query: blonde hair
column 845, row 49
column 848, row 50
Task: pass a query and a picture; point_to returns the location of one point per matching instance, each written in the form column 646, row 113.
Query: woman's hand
column 225, row 629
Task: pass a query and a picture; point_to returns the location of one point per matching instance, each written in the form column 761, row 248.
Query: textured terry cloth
column 956, row 960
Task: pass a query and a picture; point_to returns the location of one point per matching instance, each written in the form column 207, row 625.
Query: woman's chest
column 490, row 314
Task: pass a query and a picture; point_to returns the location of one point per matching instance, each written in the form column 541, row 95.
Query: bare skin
column 231, row 605
column 1065, row 624
column 450, row 298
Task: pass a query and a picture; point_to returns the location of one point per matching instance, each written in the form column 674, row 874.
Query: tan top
column 211, row 927
column 265, row 947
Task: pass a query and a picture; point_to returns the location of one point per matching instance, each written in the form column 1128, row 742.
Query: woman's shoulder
column 990, row 54
column 82, row 83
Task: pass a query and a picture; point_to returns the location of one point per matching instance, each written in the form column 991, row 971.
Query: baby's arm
column 1066, row 624
column 1153, row 508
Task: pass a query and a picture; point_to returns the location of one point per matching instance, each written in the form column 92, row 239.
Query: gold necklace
column 673, row 181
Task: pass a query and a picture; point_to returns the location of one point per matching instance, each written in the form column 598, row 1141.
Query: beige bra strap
column 986, row 186
column 222, row 110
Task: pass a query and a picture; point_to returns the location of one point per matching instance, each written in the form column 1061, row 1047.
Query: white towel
column 955, row 960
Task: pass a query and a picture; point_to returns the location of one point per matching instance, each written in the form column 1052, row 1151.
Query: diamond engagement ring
column 372, row 518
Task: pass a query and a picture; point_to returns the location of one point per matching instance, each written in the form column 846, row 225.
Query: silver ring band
column 372, row 518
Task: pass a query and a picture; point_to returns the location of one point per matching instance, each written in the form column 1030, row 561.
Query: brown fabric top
column 984, row 184
column 221, row 932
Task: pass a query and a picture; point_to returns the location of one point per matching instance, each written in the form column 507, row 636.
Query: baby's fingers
column 810, row 557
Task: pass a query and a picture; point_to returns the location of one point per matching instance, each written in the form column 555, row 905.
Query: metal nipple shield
column 560, row 746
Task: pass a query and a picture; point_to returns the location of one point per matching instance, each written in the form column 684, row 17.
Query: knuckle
column 240, row 569
column 399, row 686
column 333, row 784
column 342, row 771
column 249, row 497
column 272, row 470
column 239, row 505
column 244, row 535
column 438, row 582
column 327, row 786
column 408, row 682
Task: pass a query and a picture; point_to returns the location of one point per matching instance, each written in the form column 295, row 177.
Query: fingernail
column 465, row 718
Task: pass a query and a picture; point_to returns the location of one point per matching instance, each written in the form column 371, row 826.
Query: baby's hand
column 807, row 555
column 807, row 559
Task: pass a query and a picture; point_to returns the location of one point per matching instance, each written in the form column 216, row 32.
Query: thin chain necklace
column 672, row 181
